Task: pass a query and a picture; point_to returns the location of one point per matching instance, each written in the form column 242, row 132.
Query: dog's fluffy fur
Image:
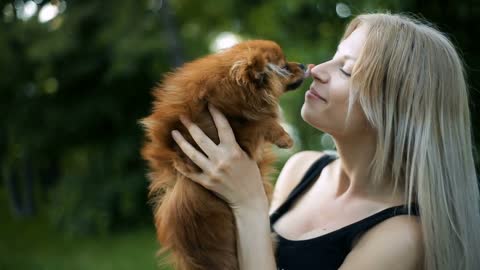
column 244, row 83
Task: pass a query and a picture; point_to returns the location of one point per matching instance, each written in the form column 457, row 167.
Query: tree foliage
column 74, row 88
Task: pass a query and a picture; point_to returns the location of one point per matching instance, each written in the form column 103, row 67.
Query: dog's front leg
column 278, row 136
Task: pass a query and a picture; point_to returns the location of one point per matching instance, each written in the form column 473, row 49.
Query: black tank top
column 328, row 251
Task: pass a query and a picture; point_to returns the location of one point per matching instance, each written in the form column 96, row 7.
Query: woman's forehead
column 352, row 45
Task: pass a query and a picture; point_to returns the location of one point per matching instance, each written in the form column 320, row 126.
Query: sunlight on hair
column 224, row 40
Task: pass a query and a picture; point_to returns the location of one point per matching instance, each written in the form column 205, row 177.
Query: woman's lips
column 316, row 94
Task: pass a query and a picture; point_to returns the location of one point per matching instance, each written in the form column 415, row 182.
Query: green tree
column 74, row 87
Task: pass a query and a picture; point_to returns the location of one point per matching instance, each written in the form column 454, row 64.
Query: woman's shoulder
column 291, row 174
column 374, row 250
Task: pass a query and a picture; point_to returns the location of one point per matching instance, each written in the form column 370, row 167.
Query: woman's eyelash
column 344, row 72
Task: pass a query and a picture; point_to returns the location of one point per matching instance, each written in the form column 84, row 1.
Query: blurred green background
column 76, row 78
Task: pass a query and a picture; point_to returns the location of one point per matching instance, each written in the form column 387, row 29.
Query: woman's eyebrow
column 347, row 56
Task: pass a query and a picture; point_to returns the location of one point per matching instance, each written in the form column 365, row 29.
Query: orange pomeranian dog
column 245, row 83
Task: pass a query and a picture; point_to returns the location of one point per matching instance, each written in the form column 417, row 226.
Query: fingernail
column 175, row 133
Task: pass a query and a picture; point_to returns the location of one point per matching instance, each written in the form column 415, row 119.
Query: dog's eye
column 286, row 68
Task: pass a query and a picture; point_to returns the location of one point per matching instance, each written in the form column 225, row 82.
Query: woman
column 402, row 193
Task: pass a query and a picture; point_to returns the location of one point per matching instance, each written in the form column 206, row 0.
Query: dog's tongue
column 307, row 72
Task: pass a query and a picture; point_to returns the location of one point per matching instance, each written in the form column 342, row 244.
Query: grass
column 32, row 244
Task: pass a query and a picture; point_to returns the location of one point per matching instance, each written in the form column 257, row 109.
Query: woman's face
column 326, row 102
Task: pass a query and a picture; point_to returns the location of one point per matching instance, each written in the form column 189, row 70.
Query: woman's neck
column 352, row 170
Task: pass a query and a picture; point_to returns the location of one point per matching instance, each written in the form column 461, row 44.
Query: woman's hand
column 227, row 169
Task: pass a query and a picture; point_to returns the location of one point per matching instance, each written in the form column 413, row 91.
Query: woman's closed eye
column 345, row 73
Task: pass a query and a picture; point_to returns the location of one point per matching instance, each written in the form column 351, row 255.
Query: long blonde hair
column 410, row 82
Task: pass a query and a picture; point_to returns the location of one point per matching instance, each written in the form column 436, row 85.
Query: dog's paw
column 284, row 142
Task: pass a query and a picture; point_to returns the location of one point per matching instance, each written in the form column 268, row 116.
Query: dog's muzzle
column 294, row 85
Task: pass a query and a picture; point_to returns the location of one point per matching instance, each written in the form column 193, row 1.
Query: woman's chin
column 309, row 117
column 308, row 113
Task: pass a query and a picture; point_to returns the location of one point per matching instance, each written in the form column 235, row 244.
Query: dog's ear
column 251, row 69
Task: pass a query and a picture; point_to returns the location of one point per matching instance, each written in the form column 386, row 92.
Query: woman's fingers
column 203, row 180
column 205, row 143
column 197, row 157
column 199, row 178
column 225, row 132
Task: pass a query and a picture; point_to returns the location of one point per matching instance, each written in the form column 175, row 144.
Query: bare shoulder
column 394, row 244
column 291, row 174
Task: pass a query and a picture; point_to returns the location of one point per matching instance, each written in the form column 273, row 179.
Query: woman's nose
column 319, row 73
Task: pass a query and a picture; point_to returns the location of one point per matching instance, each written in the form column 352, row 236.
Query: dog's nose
column 302, row 66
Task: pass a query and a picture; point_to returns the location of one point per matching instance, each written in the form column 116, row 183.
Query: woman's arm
column 254, row 243
column 234, row 177
column 394, row 244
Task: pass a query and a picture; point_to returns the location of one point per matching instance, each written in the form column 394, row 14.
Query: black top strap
column 308, row 179
column 359, row 227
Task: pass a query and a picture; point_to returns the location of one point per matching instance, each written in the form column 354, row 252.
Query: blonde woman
column 402, row 193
